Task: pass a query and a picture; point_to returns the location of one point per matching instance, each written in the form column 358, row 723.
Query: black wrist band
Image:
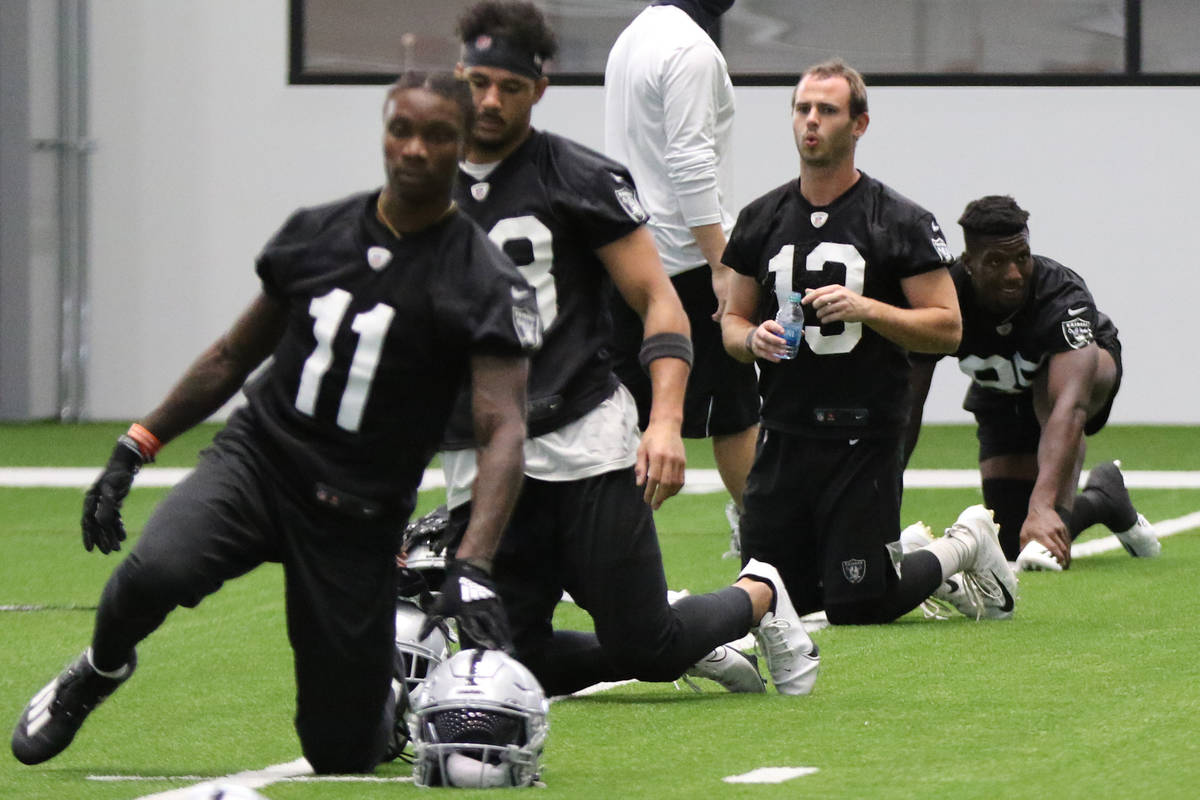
column 665, row 345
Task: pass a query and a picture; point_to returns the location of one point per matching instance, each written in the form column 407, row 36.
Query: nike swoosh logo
column 1008, row 598
column 1075, row 312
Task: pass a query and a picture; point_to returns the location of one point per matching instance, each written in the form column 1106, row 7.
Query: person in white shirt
column 668, row 105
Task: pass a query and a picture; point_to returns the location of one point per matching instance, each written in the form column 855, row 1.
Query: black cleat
column 55, row 714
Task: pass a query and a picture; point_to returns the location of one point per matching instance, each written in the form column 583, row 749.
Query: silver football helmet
column 479, row 720
column 415, row 657
column 426, row 540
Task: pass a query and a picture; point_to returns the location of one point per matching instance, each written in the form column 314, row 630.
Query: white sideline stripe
column 699, row 481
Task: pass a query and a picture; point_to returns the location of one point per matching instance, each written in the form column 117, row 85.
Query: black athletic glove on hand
column 469, row 595
column 102, row 526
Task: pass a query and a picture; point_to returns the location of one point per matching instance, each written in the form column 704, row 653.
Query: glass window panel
column 387, row 36
column 1170, row 36
column 927, row 36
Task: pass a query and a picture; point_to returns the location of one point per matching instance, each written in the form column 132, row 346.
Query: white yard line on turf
column 699, row 481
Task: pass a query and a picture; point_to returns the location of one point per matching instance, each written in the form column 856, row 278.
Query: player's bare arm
column 744, row 338
column 931, row 324
column 498, row 405
column 220, row 370
column 634, row 266
column 711, row 239
column 1062, row 394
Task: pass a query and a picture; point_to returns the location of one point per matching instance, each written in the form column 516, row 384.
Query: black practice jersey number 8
column 825, row 253
column 530, row 245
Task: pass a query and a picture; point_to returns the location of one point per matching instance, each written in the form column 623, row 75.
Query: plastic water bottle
column 791, row 317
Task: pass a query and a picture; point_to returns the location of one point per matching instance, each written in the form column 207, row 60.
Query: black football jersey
column 549, row 205
column 378, row 339
column 1002, row 352
column 846, row 380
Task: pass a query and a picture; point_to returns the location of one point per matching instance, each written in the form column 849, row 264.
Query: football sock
column 1093, row 506
column 118, row 673
column 951, row 552
column 1008, row 498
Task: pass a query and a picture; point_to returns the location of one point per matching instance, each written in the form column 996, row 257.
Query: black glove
column 469, row 595
column 102, row 526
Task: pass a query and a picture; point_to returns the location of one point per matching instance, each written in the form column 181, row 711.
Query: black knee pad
column 1008, row 498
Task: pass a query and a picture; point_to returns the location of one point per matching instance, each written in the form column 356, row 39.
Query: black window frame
column 1133, row 74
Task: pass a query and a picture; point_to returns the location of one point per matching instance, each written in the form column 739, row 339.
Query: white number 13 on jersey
column 826, row 252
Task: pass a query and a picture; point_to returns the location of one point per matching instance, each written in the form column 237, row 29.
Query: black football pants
column 595, row 538
column 229, row 516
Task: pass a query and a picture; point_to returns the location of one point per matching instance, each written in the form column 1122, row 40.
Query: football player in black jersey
column 570, row 220
column 362, row 300
column 1045, row 366
column 823, row 496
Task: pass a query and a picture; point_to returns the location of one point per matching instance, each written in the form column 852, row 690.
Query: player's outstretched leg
column 730, row 667
column 1134, row 532
column 792, row 657
column 55, row 714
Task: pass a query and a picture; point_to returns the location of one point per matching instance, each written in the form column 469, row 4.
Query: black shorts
column 1008, row 425
column 722, row 392
column 233, row 513
column 823, row 511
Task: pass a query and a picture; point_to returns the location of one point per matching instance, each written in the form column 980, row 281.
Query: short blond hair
column 834, row 68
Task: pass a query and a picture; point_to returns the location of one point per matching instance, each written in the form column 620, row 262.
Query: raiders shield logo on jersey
column 528, row 326
column 1077, row 332
column 628, row 200
column 854, row 569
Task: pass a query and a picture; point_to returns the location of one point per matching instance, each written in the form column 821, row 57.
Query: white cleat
column 792, row 657
column 736, row 671
column 1140, row 541
column 987, row 581
column 915, row 536
column 1035, row 557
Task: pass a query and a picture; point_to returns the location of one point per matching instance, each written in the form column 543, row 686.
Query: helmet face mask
column 479, row 720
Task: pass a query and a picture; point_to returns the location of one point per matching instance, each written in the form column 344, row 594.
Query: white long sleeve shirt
column 668, row 116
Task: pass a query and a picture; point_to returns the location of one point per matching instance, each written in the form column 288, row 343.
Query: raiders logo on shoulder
column 1077, row 332
column 627, row 197
column 854, row 570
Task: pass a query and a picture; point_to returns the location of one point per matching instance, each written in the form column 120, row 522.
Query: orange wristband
column 147, row 442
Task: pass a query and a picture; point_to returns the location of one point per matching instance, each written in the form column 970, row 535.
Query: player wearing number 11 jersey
column 373, row 311
column 823, row 496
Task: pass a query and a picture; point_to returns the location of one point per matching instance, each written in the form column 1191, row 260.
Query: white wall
column 204, row 149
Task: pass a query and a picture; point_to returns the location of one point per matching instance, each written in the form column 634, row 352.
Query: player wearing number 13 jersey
column 823, row 496
column 373, row 310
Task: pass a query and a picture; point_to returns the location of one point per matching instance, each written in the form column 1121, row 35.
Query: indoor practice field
column 1091, row 691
